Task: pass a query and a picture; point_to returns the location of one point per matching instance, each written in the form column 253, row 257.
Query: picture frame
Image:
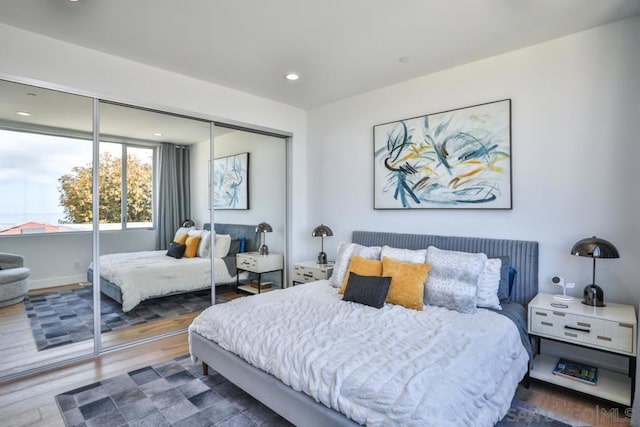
column 455, row 159
column 231, row 182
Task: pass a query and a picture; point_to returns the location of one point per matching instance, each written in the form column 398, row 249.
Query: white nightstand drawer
column 309, row 271
column 542, row 322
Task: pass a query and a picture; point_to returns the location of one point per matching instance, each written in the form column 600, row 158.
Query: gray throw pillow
column 176, row 250
column 367, row 290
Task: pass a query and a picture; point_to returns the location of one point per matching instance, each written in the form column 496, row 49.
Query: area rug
column 176, row 393
column 64, row 317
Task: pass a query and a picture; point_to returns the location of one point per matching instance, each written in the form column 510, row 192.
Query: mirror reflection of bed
column 145, row 293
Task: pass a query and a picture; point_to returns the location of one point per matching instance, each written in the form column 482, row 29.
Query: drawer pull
column 557, row 313
column 573, row 328
column 569, row 334
column 626, row 325
column 539, row 313
column 604, row 338
column 586, row 325
column 307, row 275
column 546, row 323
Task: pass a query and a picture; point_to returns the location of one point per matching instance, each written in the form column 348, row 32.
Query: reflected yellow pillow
column 363, row 267
column 192, row 243
column 407, row 282
column 181, row 238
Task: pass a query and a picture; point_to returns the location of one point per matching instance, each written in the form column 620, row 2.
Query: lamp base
column 593, row 296
column 263, row 250
column 322, row 258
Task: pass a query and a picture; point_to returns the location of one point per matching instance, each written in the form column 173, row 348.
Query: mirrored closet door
column 249, row 200
column 146, row 162
column 46, row 152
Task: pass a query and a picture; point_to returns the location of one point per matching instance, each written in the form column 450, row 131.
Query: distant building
column 32, row 227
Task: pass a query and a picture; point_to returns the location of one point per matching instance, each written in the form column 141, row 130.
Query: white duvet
column 392, row 366
column 142, row 275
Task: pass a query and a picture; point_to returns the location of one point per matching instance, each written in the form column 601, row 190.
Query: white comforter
column 142, row 275
column 392, row 366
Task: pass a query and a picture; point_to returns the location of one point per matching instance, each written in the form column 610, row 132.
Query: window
column 33, row 171
column 47, row 185
column 126, row 188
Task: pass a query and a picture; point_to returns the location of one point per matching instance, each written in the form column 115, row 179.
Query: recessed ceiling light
column 23, row 113
column 291, row 76
column 403, row 59
column 158, row 134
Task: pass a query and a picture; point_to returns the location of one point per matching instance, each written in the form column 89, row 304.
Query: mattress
column 150, row 274
column 377, row 367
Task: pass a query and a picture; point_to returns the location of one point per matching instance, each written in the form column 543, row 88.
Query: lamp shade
column 322, row 231
column 188, row 223
column 263, row 227
column 594, row 247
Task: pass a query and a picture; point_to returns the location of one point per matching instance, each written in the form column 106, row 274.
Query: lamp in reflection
column 322, row 231
column 262, row 229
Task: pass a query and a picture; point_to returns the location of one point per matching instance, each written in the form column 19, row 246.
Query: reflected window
column 36, row 175
column 126, row 186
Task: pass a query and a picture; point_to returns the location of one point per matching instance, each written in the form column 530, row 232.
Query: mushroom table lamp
column 261, row 230
column 594, row 247
column 322, row 231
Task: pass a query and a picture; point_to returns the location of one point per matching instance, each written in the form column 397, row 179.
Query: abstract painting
column 456, row 159
column 231, row 182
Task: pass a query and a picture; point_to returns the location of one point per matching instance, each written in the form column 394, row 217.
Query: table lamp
column 322, row 231
column 594, row 247
column 261, row 230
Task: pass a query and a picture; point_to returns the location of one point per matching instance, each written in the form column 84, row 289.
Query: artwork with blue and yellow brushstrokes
column 231, row 182
column 455, row 159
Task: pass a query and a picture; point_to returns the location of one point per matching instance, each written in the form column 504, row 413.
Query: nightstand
column 255, row 263
column 309, row 271
column 610, row 329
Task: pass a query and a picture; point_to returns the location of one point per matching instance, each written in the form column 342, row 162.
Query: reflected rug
column 176, row 393
column 62, row 317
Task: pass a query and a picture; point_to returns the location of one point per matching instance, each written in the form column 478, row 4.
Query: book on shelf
column 577, row 371
column 263, row 285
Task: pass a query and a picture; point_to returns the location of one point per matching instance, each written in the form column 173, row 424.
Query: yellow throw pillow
column 181, row 238
column 192, row 246
column 407, row 282
column 363, row 267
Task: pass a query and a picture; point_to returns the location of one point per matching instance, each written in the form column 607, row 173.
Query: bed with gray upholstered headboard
column 161, row 276
column 475, row 397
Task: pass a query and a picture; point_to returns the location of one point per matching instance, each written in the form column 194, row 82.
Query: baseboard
column 50, row 282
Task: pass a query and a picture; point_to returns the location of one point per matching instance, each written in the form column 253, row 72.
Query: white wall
column 31, row 58
column 575, row 117
column 267, row 163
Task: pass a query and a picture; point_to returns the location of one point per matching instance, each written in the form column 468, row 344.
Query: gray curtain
column 174, row 192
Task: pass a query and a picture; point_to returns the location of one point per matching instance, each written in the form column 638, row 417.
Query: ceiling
column 339, row 47
column 62, row 113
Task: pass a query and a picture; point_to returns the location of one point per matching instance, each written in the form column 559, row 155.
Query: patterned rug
column 175, row 393
column 64, row 317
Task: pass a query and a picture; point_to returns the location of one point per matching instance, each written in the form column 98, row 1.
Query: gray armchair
column 14, row 279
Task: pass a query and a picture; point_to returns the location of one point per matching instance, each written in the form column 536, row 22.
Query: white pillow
column 222, row 245
column 413, row 256
column 181, row 231
column 194, row 232
column 204, row 248
column 453, row 279
column 488, row 284
column 345, row 252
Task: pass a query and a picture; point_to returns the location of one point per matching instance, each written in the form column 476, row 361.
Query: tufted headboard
column 237, row 231
column 523, row 253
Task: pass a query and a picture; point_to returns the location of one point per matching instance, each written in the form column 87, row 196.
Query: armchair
column 14, row 278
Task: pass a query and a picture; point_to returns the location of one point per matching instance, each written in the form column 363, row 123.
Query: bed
column 151, row 274
column 298, row 375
